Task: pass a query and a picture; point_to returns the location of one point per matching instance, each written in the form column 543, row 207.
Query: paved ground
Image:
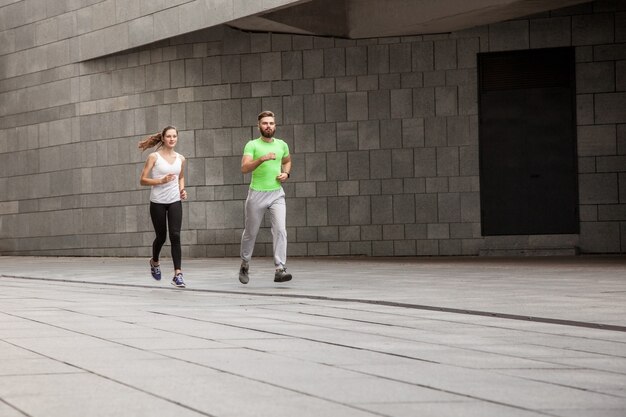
column 347, row 337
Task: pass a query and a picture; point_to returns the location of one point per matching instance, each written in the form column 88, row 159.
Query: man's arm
column 248, row 164
column 286, row 169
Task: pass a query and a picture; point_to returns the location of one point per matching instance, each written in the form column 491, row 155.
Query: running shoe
column 155, row 271
column 243, row 273
column 281, row 275
column 178, row 281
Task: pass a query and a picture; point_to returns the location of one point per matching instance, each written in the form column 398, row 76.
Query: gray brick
column 357, row 106
column 270, row 66
column 393, row 232
column 347, row 136
column 296, row 213
column 294, row 110
column 214, row 169
column 425, row 162
column 371, row 232
column 336, row 107
column 598, row 188
column 326, row 189
column 302, row 42
column 447, row 161
column 611, row 164
column 345, row 84
column 470, row 207
column 378, row 59
column 437, row 185
column 339, row 248
column 281, row 42
column 382, row 209
column 390, row 134
column 334, row 62
column 367, row 83
column 360, row 210
column 412, row 133
column 621, row 139
column 361, row 248
column 402, row 163
column 260, row 42
column 315, row 167
column 356, row 60
column 445, row 54
column 313, row 63
column 231, row 69
column 404, row 208
column 510, row 35
column 325, row 138
column 438, row 231
column 622, row 187
column 610, row 108
column 316, row 211
column 415, row 231
column 612, row 212
column 449, row 207
column 314, row 111
column 292, row 65
column 301, row 87
column 550, row 32
column 599, row 237
column 435, row 131
column 379, row 105
column 304, row 137
column 401, row 103
column 423, row 56
column 468, row 160
column 425, row 208
column 595, row 77
column 620, row 76
column 317, row 249
column 338, row 211
column 324, row 85
column 337, row 165
column 597, row 140
column 382, row 248
column 370, row 187
column 584, row 109
column 467, row 49
column 358, row 165
column 592, row 29
column 446, row 101
column 400, row 57
column 281, row 88
column 369, row 135
column 458, row 131
column 424, row 102
column 435, row 79
column 380, row 164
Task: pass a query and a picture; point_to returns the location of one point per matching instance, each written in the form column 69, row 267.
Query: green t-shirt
column 264, row 176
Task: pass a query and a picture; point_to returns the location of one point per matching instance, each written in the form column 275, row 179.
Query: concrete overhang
column 357, row 19
column 352, row 19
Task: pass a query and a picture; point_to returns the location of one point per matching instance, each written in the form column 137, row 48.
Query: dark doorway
column 527, row 142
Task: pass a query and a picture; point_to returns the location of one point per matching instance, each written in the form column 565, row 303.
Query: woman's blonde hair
column 155, row 140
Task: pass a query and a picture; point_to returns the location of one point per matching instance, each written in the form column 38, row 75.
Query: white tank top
column 166, row 193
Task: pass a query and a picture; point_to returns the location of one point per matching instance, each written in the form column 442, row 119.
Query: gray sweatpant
column 256, row 204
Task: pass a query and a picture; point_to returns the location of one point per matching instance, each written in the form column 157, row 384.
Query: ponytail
column 154, row 140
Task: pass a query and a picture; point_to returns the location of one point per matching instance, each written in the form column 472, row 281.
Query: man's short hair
column 265, row 113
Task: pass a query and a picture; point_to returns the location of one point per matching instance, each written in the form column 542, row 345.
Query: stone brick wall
column 383, row 132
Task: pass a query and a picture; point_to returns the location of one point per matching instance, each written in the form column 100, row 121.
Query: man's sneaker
column 177, row 281
column 243, row 273
column 155, row 271
column 281, row 275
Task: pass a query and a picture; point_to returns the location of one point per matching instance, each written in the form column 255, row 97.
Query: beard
column 267, row 133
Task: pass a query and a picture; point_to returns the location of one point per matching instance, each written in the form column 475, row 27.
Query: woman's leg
column 175, row 222
column 158, row 214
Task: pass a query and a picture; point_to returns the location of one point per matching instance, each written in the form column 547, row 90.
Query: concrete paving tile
column 461, row 408
column 586, row 379
column 7, row 411
column 82, row 395
column 30, row 365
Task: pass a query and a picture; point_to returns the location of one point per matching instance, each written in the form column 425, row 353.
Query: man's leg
column 255, row 209
column 278, row 215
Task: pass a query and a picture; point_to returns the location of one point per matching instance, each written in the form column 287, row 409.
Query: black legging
column 163, row 215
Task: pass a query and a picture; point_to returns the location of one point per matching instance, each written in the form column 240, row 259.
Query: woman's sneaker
column 243, row 273
column 281, row 275
column 155, row 271
column 178, row 281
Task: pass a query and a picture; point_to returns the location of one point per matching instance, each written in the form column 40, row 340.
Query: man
column 270, row 163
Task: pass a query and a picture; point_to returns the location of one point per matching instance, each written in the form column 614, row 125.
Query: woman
column 164, row 172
